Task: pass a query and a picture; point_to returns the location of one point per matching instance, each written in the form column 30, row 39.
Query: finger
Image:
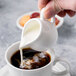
column 62, row 13
column 68, row 4
column 70, row 13
column 42, row 3
column 51, row 9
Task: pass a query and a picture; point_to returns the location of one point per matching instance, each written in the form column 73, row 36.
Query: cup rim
column 16, row 43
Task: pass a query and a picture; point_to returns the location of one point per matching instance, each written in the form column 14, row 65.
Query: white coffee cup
column 47, row 35
column 43, row 71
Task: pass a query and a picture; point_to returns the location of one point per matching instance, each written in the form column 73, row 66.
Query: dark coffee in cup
column 32, row 59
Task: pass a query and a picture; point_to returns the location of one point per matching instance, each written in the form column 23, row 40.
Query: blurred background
column 10, row 10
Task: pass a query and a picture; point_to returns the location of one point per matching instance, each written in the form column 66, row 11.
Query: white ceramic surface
column 61, row 19
column 5, row 72
column 45, row 39
column 44, row 71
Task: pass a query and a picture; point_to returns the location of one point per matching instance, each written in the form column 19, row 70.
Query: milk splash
column 29, row 34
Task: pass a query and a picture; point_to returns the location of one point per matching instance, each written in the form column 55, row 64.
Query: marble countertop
column 9, row 33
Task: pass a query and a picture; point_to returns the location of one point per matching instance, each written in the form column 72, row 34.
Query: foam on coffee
column 32, row 59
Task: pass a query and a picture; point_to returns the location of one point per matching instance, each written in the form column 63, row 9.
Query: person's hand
column 60, row 7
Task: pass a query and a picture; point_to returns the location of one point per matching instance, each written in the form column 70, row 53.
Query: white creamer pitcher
column 39, row 34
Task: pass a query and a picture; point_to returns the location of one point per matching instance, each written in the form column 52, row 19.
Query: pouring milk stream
column 39, row 34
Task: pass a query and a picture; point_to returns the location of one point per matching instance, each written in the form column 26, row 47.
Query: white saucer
column 58, row 67
column 61, row 19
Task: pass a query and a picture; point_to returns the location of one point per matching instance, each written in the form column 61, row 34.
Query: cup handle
column 58, row 59
column 42, row 14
